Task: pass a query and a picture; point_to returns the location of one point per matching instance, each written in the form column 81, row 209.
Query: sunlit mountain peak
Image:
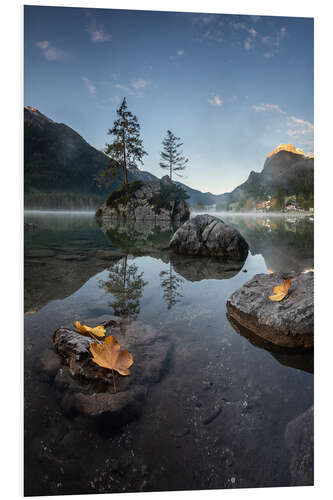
column 291, row 148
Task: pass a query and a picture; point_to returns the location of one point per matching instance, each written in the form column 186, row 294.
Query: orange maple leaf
column 281, row 291
column 110, row 356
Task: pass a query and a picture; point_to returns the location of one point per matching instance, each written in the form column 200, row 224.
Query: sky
column 232, row 87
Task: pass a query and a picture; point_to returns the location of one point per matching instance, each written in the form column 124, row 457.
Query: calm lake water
column 217, row 418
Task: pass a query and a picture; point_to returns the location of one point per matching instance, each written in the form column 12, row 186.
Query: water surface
column 217, row 417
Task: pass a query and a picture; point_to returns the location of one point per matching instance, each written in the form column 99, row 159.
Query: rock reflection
column 287, row 357
column 125, row 284
column 138, row 237
column 204, row 268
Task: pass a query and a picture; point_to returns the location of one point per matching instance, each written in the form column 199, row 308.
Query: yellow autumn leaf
column 281, row 291
column 97, row 331
column 110, row 356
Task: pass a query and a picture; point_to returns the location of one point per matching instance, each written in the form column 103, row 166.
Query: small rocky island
column 155, row 201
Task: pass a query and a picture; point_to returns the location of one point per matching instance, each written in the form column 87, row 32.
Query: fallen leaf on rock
column 97, row 331
column 281, row 291
column 110, row 356
column 270, row 271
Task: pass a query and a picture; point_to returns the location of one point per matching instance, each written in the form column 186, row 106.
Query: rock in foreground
column 299, row 440
column 208, row 235
column 288, row 323
column 87, row 388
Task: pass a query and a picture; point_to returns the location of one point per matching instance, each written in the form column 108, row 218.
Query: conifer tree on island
column 126, row 150
column 172, row 157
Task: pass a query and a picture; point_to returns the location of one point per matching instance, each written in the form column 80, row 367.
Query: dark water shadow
column 301, row 360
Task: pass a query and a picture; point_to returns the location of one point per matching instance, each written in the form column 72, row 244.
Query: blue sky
column 232, row 87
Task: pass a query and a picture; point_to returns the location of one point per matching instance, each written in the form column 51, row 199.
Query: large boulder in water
column 208, row 235
column 288, row 323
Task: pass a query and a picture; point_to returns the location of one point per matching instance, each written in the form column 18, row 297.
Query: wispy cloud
column 134, row 87
column 89, row 85
column 273, row 42
column 140, row 83
column 50, row 52
column 180, row 53
column 297, row 126
column 268, row 107
column 97, row 32
column 243, row 32
column 216, row 101
column 301, row 130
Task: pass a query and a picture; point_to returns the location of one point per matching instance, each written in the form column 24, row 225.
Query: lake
column 217, row 416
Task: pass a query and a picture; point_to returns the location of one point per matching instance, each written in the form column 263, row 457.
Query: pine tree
column 126, row 150
column 172, row 155
column 170, row 284
column 125, row 284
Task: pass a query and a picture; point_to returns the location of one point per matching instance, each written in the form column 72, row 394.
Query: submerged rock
column 156, row 201
column 299, row 440
column 288, row 323
column 208, row 235
column 88, row 388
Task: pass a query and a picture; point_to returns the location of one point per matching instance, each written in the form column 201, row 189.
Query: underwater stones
column 299, row 441
column 208, row 235
column 119, row 408
column 87, row 388
column 288, row 323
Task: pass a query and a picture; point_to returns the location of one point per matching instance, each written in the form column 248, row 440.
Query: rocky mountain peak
column 291, row 148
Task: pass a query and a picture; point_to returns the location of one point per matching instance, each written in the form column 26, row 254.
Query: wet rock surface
column 299, row 440
column 89, row 387
column 288, row 323
column 208, row 235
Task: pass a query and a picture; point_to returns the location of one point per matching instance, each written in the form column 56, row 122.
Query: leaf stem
column 114, row 382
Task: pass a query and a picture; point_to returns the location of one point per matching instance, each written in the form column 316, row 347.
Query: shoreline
column 238, row 214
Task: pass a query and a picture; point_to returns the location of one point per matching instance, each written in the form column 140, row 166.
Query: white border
column 12, row 234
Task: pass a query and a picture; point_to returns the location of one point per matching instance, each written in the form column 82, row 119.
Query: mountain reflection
column 286, row 243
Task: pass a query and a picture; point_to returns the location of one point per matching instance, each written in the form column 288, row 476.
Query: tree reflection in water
column 171, row 284
column 126, row 285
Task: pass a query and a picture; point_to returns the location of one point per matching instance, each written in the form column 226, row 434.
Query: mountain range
column 60, row 169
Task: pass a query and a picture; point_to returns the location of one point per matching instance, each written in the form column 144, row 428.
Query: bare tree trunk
column 125, row 160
